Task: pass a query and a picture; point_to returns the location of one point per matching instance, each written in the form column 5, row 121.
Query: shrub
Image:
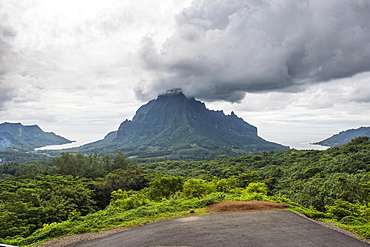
column 259, row 188
column 197, row 188
column 254, row 197
column 210, row 199
column 352, row 220
column 128, row 199
column 243, row 179
column 341, row 209
column 165, row 187
column 225, row 185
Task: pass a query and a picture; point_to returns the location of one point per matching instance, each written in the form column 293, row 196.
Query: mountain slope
column 344, row 137
column 27, row 138
column 175, row 127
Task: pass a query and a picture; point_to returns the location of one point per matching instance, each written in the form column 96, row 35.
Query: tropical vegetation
column 79, row 193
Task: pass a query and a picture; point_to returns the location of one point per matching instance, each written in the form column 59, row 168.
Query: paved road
column 260, row 228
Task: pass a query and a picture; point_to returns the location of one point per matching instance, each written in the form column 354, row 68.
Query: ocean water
column 63, row 146
column 306, row 146
column 291, row 144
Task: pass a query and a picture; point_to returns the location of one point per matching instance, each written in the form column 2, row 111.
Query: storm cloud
column 7, row 63
column 222, row 49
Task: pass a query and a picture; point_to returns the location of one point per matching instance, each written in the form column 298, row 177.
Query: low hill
column 16, row 136
column 344, row 137
column 176, row 127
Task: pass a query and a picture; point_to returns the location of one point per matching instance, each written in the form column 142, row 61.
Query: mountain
column 176, row 127
column 344, row 137
column 26, row 138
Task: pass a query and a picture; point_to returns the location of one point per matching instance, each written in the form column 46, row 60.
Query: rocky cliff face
column 174, row 117
column 176, row 127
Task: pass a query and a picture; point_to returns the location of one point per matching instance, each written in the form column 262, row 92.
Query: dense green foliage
column 35, row 194
column 80, row 193
column 165, row 187
column 28, row 204
column 312, row 178
column 11, row 156
column 129, row 208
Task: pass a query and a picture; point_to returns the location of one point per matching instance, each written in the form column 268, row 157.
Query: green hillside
column 174, row 127
column 16, row 136
column 344, row 137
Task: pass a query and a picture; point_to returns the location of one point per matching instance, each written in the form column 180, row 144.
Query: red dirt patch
column 244, row 206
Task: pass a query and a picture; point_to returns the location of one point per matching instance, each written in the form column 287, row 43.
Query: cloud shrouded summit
column 224, row 48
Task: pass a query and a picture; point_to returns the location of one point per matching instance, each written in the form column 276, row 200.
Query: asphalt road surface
column 249, row 229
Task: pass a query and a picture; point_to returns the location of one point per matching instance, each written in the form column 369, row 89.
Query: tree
column 79, row 165
column 197, row 188
column 359, row 140
column 243, row 179
column 66, row 164
column 260, row 188
column 121, row 162
column 27, row 204
column 119, row 179
column 164, row 187
column 224, row 185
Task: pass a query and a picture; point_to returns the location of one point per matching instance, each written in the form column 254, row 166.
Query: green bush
column 352, row 220
column 165, row 187
column 362, row 230
column 128, row 199
column 254, row 197
column 197, row 188
column 225, row 185
column 259, row 188
column 341, row 209
column 210, row 199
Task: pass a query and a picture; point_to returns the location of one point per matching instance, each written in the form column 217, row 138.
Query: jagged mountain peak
column 167, row 106
column 174, row 108
column 174, row 126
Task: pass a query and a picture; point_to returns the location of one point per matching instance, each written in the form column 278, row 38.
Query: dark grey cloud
column 222, row 49
column 7, row 62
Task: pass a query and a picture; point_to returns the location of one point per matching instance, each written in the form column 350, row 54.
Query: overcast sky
column 298, row 70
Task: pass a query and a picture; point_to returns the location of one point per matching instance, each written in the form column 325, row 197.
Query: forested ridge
column 79, row 193
column 15, row 136
column 344, row 137
column 174, row 127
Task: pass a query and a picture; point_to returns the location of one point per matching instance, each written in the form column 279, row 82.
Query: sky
column 298, row 70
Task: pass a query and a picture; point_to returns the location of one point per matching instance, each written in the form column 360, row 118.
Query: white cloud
column 73, row 63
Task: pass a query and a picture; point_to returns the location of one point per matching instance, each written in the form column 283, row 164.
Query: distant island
column 344, row 137
column 25, row 138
